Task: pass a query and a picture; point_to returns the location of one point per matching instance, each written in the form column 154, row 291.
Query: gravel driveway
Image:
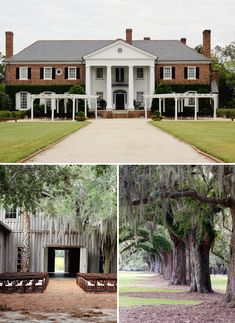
column 120, row 141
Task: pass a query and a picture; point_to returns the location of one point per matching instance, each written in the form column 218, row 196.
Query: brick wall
column 204, row 74
column 35, row 75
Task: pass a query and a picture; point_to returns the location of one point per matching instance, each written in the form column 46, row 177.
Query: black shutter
column 41, row 73
column 186, row 73
column 29, row 73
column 66, row 73
column 17, row 73
column 78, row 73
column 161, row 73
column 53, row 73
column 173, row 73
column 197, row 73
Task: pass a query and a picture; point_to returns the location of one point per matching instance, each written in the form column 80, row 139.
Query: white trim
column 44, row 69
column 20, row 71
column 119, row 41
column 72, row 78
column 164, row 69
column 195, row 73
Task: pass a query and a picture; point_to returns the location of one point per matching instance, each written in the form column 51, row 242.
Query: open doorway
column 63, row 262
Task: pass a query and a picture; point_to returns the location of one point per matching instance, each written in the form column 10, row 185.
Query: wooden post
column 176, row 106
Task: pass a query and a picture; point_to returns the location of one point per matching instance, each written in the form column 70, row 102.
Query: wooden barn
column 82, row 251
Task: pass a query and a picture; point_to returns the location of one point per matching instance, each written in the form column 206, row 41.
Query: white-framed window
column 191, row 73
column 47, row 73
column 140, row 73
column 99, row 73
column 11, row 213
column 23, row 100
column 100, row 95
column 190, row 102
column 167, row 73
column 72, row 73
column 23, row 73
column 140, row 97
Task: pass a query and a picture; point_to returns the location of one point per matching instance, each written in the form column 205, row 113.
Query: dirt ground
column 209, row 311
column 63, row 301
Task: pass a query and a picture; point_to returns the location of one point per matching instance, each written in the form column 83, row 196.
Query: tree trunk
column 179, row 262
column 26, row 244
column 167, row 264
column 200, row 272
column 107, row 259
column 229, row 299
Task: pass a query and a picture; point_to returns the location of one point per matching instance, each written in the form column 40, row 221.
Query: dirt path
column 63, row 301
column 120, row 141
column 210, row 310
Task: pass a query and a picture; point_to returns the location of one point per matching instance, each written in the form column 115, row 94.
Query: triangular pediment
column 120, row 50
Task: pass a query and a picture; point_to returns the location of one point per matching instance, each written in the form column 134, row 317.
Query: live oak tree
column 25, row 187
column 203, row 190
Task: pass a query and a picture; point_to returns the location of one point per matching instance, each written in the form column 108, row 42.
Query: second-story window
column 72, row 73
column 47, row 73
column 23, row 73
column 120, row 74
column 99, row 73
column 10, row 213
column 167, row 73
column 140, row 73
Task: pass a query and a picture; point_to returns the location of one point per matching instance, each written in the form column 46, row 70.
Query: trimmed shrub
column 77, row 89
column 80, row 116
column 157, row 116
column 11, row 115
column 226, row 113
column 5, row 102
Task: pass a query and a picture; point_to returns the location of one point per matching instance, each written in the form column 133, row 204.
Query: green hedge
column 225, row 113
column 12, row 114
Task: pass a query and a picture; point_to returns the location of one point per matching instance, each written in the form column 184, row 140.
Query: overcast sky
column 32, row 20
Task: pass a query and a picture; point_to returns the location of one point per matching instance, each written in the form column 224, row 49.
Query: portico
column 120, row 74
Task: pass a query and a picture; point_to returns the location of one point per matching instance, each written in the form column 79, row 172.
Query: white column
column 176, row 112
column 53, row 106
column 65, row 105
column 88, row 80
column 73, row 109
column 131, row 89
column 57, row 105
column 31, row 106
column 96, row 108
column 160, row 105
column 152, row 79
column 85, row 107
column 196, row 109
column 45, row 107
column 109, row 88
column 164, row 105
column 216, row 101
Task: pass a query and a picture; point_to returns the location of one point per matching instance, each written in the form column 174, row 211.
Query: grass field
column 21, row 139
column 216, row 138
column 132, row 282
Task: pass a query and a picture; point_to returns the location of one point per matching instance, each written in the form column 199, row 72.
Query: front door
column 120, row 101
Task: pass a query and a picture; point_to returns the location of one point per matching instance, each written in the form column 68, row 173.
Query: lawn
column 20, row 140
column 126, row 301
column 217, row 138
column 219, row 282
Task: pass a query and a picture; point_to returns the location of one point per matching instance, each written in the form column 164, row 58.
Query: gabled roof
column 121, row 42
column 75, row 50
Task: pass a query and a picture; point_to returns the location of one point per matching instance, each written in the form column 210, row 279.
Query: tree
column 24, row 187
column 2, row 69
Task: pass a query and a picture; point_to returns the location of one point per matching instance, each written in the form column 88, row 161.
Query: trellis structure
column 89, row 101
column 179, row 101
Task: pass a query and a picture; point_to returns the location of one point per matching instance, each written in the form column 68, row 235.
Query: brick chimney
column 147, row 38
column 9, row 44
column 207, row 43
column 183, row 40
column 129, row 36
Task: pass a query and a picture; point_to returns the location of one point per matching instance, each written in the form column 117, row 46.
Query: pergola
column 89, row 100
column 179, row 101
